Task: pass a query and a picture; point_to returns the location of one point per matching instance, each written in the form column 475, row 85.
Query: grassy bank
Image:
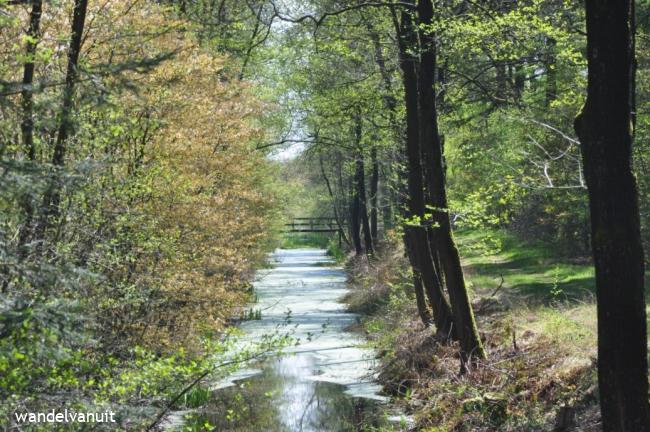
column 536, row 313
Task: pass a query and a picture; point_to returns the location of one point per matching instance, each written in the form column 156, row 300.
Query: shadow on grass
column 534, row 271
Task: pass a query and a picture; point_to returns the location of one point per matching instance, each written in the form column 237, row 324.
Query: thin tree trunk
column 363, row 211
column 391, row 105
column 252, row 44
column 519, row 81
column 337, row 216
column 425, row 316
column 342, row 202
column 386, row 199
column 27, row 106
column 360, row 186
column 355, row 218
column 465, row 325
column 65, row 125
column 420, row 301
column 374, row 190
column 550, row 64
column 606, row 140
column 501, row 82
column 33, row 34
column 52, row 195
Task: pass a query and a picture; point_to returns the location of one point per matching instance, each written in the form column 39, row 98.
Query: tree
column 415, row 234
column 443, row 244
column 604, row 128
column 33, row 34
column 52, row 196
column 27, row 105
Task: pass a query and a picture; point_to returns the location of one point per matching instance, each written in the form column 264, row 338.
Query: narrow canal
column 326, row 383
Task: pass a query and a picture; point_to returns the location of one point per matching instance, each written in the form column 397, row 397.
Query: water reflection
column 325, row 384
column 280, row 399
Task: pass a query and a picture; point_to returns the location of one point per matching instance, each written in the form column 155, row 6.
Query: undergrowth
column 536, row 315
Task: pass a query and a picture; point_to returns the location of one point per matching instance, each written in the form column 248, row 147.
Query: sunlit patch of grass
column 533, row 271
column 302, row 240
column 572, row 327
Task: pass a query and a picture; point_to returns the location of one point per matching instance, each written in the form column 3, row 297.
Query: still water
column 326, row 383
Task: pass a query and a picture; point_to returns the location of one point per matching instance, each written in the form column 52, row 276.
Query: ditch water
column 326, row 383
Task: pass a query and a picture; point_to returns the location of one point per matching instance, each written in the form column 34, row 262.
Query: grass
column 301, row 240
column 534, row 271
column 535, row 309
column 533, row 274
column 314, row 240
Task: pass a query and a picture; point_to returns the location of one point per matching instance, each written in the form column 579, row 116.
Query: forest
column 324, row 215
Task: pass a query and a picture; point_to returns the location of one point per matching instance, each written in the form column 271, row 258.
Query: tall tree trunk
column 355, row 219
column 417, row 245
column 606, row 140
column 337, row 216
column 360, row 186
column 374, row 190
column 360, row 192
column 342, row 202
column 387, row 199
column 519, row 81
column 550, row 64
column 391, row 105
column 27, row 124
column 72, row 73
column 27, row 106
column 52, row 195
column 465, row 325
column 501, row 96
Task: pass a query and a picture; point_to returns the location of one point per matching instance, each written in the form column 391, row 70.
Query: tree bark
column 360, row 186
column 519, row 81
column 463, row 316
column 420, row 300
column 421, row 260
column 27, row 107
column 417, row 245
column 501, row 96
column 27, row 124
column 550, row 64
column 52, row 195
column 337, row 216
column 374, row 190
column 65, row 124
column 604, row 129
column 425, row 316
column 355, row 220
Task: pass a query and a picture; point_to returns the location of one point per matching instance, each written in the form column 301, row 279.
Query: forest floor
column 537, row 317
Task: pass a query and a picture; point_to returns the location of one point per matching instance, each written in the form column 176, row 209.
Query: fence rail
column 314, row 224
